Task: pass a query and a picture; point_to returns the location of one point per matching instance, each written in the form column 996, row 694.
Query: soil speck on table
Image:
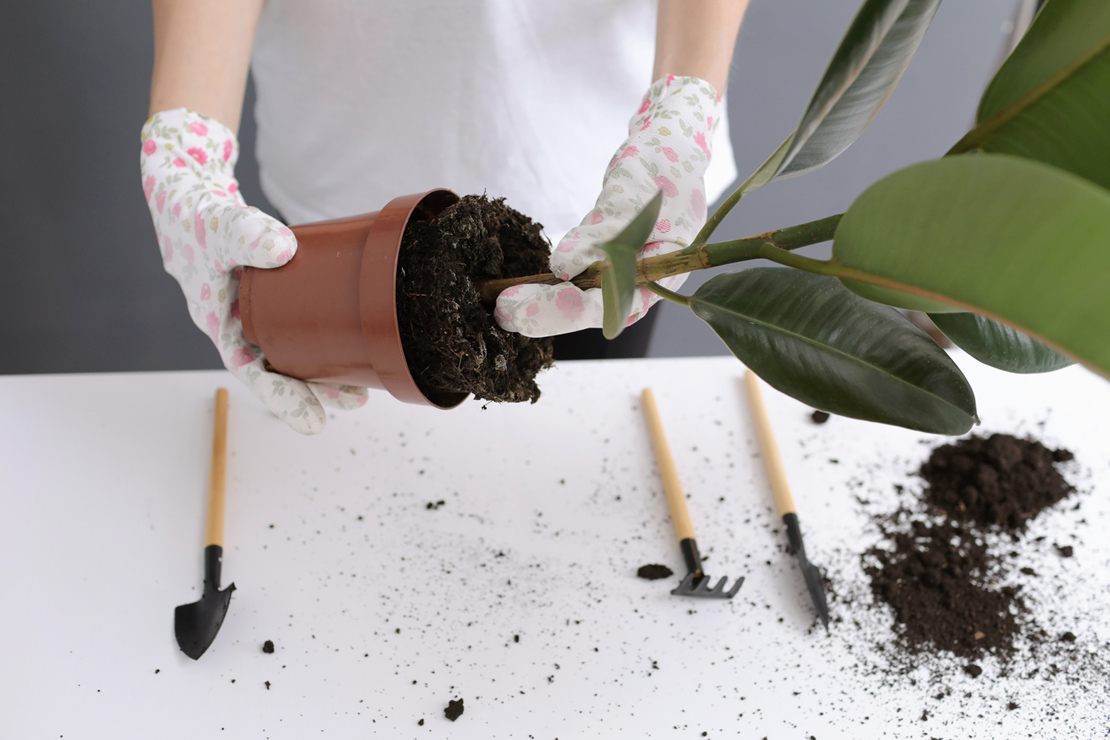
column 454, row 709
column 268, row 646
column 654, row 572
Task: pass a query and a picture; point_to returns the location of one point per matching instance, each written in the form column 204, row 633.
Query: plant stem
column 694, row 257
column 670, row 295
column 829, row 267
column 719, row 215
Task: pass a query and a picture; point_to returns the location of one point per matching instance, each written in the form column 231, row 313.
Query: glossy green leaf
column 862, row 74
column 812, row 339
column 1050, row 101
column 618, row 276
column 1004, row 237
column 998, row 345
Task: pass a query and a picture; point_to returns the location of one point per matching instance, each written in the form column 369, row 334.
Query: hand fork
column 696, row 583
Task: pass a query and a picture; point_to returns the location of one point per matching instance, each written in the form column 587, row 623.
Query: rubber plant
column 1004, row 240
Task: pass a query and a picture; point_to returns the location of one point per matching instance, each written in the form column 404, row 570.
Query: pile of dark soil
column 936, row 578
column 936, row 570
column 451, row 341
column 997, row 480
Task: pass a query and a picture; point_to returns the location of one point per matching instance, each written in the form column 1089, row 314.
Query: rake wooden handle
column 676, row 499
column 771, row 456
column 214, row 533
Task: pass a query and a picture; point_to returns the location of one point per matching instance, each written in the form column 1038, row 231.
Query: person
column 360, row 101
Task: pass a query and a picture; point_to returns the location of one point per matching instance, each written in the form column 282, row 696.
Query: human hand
column 668, row 149
column 207, row 234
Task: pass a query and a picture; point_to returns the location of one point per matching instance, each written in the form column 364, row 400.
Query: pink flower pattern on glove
column 188, row 163
column 668, row 149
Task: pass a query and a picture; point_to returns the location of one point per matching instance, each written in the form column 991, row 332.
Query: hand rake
column 696, row 583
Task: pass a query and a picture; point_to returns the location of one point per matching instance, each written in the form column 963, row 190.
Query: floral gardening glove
column 207, row 234
column 667, row 149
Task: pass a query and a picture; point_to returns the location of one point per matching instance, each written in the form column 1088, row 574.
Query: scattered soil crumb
column 819, row 417
column 654, row 572
column 268, row 646
column 454, row 709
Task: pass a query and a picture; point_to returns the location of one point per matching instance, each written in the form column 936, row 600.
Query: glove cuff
column 680, row 112
column 183, row 138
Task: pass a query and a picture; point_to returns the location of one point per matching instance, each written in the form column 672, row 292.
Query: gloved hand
column 668, row 149
column 207, row 234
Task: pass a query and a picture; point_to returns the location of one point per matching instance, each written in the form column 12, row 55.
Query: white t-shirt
column 360, row 101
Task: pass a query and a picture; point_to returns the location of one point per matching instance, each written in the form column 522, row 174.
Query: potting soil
column 451, row 341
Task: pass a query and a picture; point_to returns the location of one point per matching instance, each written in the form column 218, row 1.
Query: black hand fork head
column 698, row 586
column 195, row 625
column 696, row 583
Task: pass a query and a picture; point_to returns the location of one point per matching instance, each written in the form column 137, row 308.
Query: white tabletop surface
column 382, row 609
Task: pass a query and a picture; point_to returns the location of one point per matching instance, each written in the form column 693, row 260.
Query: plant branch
column 670, row 295
column 694, row 257
column 719, row 215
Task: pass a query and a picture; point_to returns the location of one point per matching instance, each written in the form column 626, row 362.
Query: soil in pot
column 451, row 341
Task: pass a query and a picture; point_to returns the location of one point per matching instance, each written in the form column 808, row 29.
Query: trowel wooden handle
column 771, row 456
column 214, row 533
column 676, row 499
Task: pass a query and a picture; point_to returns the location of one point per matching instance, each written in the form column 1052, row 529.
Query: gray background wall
column 82, row 287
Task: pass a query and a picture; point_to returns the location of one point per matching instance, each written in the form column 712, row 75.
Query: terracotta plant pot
column 330, row 313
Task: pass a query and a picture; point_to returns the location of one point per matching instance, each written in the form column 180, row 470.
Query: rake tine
column 735, row 588
column 686, row 587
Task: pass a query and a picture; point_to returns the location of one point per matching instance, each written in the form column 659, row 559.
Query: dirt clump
column 654, row 572
column 454, row 709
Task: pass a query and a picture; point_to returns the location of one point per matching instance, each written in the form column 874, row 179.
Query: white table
column 382, row 609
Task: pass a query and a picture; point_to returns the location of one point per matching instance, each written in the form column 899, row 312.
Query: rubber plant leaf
column 863, row 72
column 1008, row 238
column 998, row 345
column 1050, row 100
column 618, row 274
column 809, row 337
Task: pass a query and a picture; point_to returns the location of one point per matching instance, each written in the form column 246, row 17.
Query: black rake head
column 697, row 585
